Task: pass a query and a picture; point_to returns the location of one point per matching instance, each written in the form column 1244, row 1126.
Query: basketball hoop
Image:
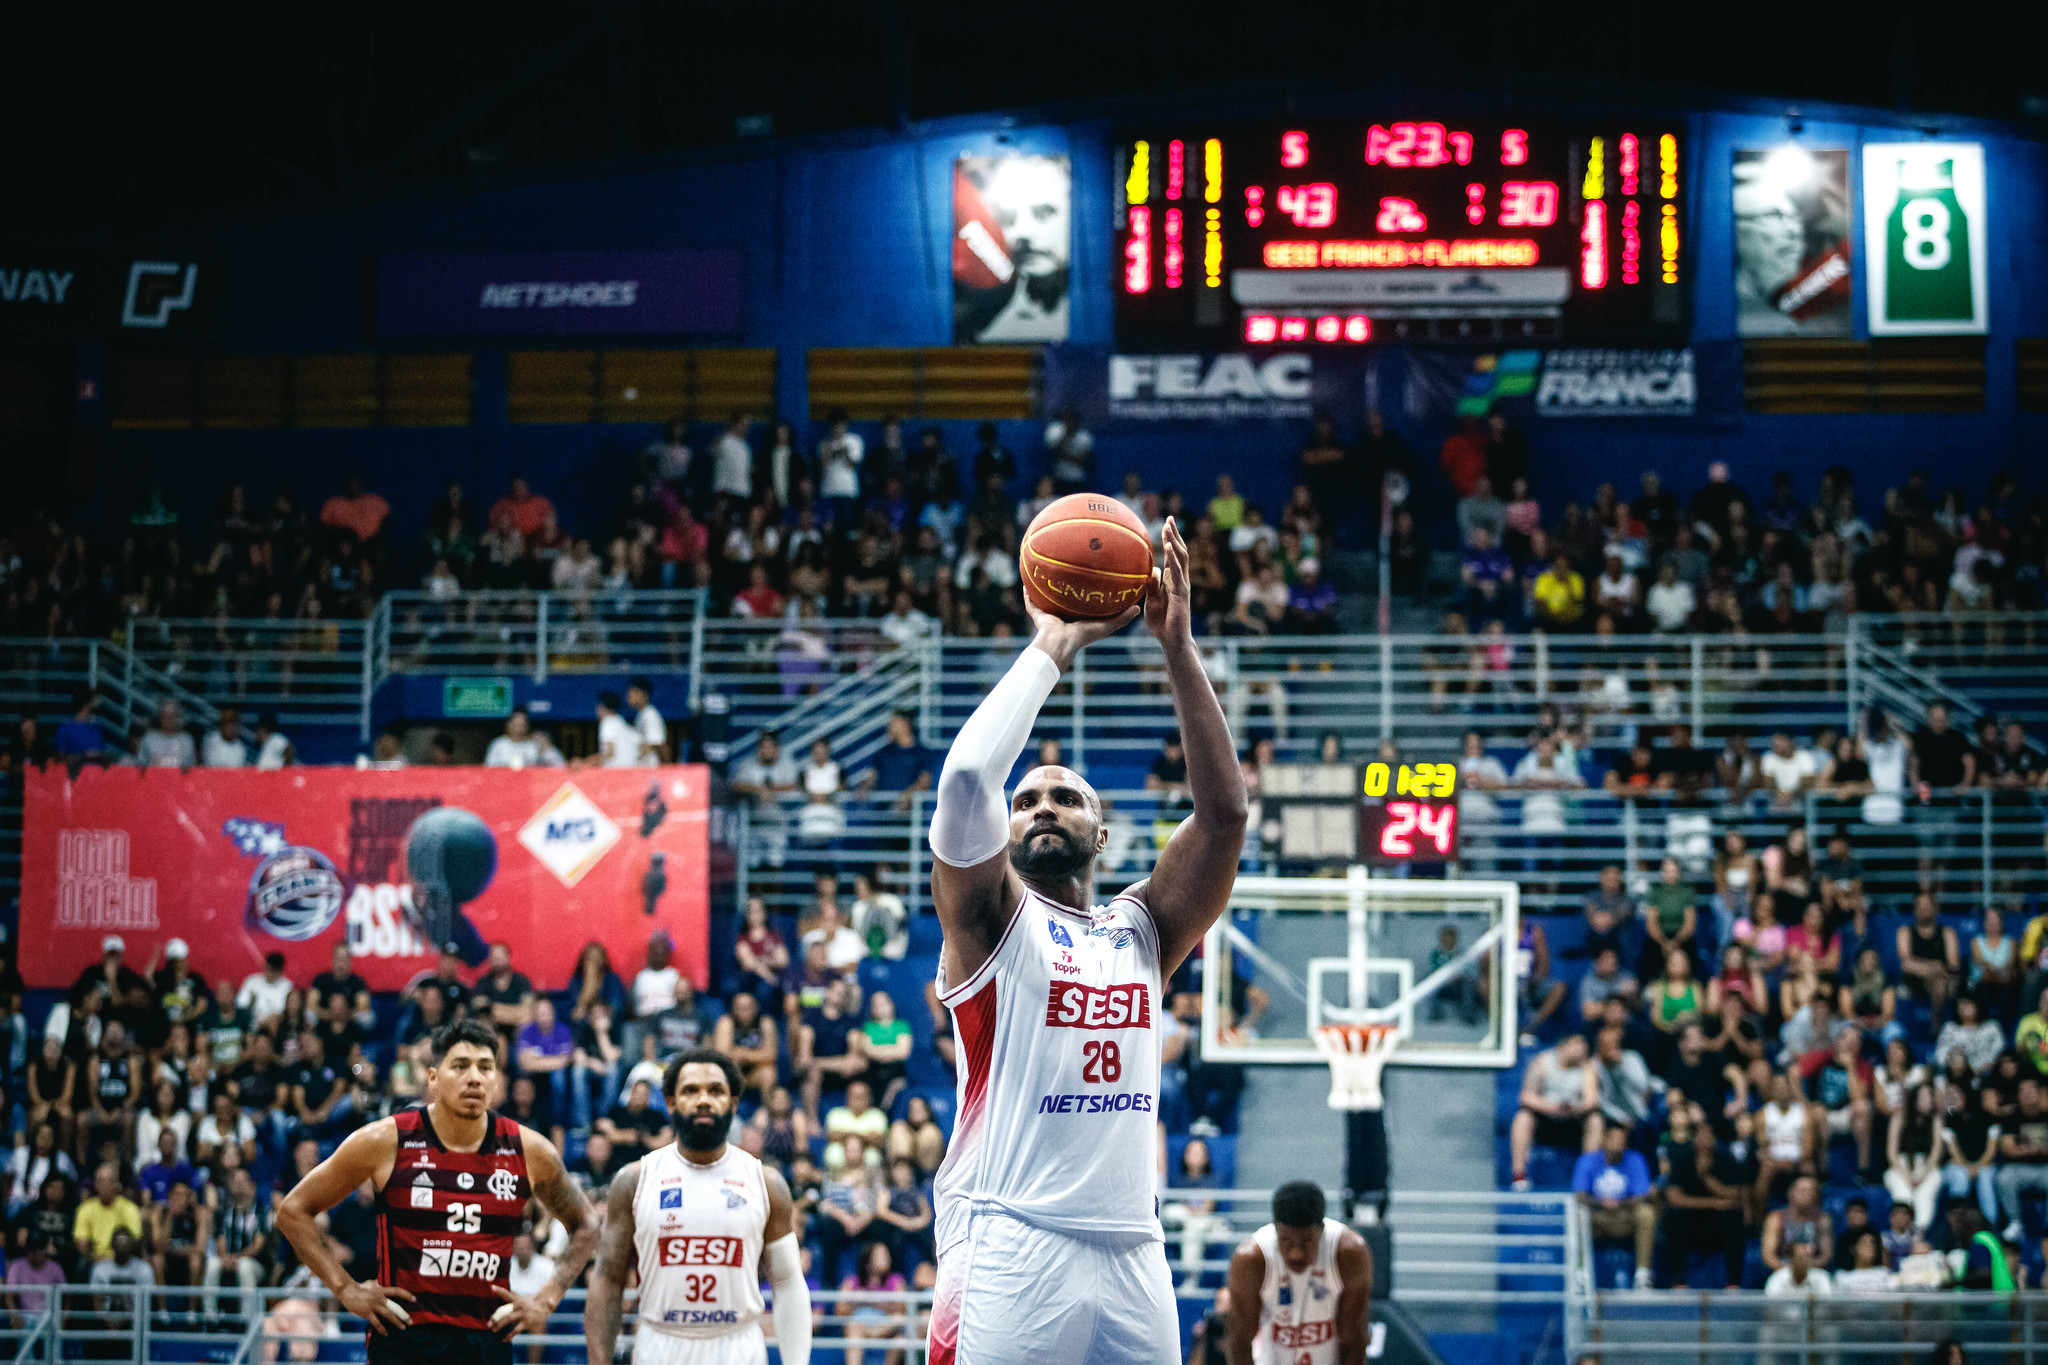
column 1357, row 1054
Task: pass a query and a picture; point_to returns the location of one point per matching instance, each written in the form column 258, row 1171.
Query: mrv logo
column 1157, row 387
column 569, row 834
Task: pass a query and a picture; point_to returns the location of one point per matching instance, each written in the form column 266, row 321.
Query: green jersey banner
column 1923, row 236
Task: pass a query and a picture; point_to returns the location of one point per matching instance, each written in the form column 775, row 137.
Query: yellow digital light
column 1667, row 243
column 1212, row 170
column 1212, row 248
column 1667, row 166
column 1595, row 186
column 1138, row 184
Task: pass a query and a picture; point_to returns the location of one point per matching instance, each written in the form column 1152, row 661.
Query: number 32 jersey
column 1059, row 1038
column 697, row 1230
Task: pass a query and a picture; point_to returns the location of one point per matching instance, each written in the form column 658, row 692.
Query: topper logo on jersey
column 459, row 1263
column 503, row 1183
column 1070, row 1004
column 701, row 1250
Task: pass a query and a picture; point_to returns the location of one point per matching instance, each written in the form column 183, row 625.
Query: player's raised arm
column 1191, row 882
column 1354, row 1300
column 1247, row 1285
column 552, row 1186
column 974, row 888
column 366, row 1154
column 782, row 1266
column 606, row 1304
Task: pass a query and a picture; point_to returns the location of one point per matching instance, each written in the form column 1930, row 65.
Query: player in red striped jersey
column 452, row 1181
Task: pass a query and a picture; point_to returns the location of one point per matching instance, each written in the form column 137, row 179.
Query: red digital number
column 1294, row 149
column 1400, row 215
column 1416, row 144
column 1138, row 251
column 1593, row 246
column 1439, row 825
column 1310, row 206
column 1254, row 205
column 1401, row 820
column 1514, row 147
column 1528, row 203
column 1461, row 148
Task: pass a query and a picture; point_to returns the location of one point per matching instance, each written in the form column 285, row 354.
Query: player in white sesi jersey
column 1047, row 1219
column 707, row 1223
column 1311, row 1279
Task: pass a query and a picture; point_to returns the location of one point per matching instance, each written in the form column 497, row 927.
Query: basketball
column 1085, row 557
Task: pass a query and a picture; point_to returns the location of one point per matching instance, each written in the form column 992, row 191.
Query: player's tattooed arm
column 564, row 1198
column 606, row 1304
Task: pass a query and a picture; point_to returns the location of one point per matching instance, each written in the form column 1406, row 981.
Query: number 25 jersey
column 1058, row 1036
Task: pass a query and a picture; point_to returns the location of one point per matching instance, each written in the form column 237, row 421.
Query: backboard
column 1307, row 951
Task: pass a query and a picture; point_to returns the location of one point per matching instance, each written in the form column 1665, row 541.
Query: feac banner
column 1924, row 218
column 240, row 864
column 560, row 294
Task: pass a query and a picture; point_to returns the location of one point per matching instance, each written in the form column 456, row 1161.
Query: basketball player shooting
column 1311, row 1279
column 706, row 1223
column 452, row 1181
column 1048, row 1230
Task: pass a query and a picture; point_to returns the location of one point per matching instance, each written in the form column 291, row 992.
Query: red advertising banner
column 241, row 863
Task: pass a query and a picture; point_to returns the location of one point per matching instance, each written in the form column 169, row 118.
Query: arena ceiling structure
column 170, row 117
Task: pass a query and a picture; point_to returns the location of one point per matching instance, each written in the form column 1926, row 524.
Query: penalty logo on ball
column 295, row 892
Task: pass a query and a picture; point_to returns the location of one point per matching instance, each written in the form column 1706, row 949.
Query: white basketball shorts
column 1013, row 1294
column 744, row 1347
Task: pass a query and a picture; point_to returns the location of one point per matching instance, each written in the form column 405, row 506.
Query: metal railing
column 307, row 672
column 1725, row 1327
column 1991, row 662
column 813, row 678
column 1977, row 849
column 535, row 633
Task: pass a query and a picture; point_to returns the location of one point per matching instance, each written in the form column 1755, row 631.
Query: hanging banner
column 240, row 864
column 1792, row 234
column 1012, row 246
column 1923, row 238
column 583, row 293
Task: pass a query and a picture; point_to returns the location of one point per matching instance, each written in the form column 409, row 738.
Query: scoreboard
column 1346, row 232
column 1387, row 814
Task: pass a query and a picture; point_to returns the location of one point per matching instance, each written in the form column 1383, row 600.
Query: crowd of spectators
column 1720, row 561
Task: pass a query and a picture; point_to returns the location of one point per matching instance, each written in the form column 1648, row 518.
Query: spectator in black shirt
column 593, row 1170
column 342, row 979
column 428, row 1013
column 1681, row 769
column 504, row 997
column 51, row 1218
column 447, row 974
column 530, row 1105
column 353, row 1223
column 181, row 995
column 2010, row 764
column 1169, row 774
column 1942, row 758
column 112, row 972
column 1703, row 1203
column 634, row 1128
column 260, row 1087
column 1706, row 1078
column 318, row 1098
column 114, row 1077
column 341, row 1036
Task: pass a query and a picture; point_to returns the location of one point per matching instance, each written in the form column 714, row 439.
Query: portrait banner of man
column 1792, row 233
column 1012, row 242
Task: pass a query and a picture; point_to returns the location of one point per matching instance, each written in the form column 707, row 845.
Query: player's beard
column 1049, row 862
column 704, row 1134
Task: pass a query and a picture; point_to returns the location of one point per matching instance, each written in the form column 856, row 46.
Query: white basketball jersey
column 698, row 1232
column 1059, row 1038
column 1298, row 1313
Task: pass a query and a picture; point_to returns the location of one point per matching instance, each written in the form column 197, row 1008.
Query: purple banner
column 642, row 293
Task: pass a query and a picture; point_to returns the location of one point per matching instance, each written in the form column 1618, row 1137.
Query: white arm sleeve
column 970, row 822
column 792, row 1311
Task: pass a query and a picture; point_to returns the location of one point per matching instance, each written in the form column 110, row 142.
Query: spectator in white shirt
column 839, row 460
column 264, row 994
column 843, row 947
column 224, row 746
column 1541, row 775
column 732, row 461
column 167, row 744
column 522, row 746
column 822, row 817
column 530, row 1271
column 273, row 750
column 1790, row 771
column 904, row 623
column 578, row 570
column 647, row 723
column 1799, row 1275
column 1134, row 494
column 1253, row 531
column 618, row 743
column 1671, row 600
column 879, row 920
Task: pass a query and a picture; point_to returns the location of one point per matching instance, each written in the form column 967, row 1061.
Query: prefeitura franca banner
column 240, row 864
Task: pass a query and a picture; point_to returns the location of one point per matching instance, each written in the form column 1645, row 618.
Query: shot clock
column 1428, row 228
column 1408, row 812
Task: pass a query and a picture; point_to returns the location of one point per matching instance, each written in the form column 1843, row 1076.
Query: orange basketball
column 1085, row 557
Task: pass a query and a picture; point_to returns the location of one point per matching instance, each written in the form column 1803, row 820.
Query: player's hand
column 377, row 1304
column 1064, row 639
column 517, row 1314
column 1169, row 612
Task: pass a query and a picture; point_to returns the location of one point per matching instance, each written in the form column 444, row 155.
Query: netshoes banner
column 240, row 864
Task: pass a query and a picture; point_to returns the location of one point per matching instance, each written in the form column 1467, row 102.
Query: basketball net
column 1357, row 1054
